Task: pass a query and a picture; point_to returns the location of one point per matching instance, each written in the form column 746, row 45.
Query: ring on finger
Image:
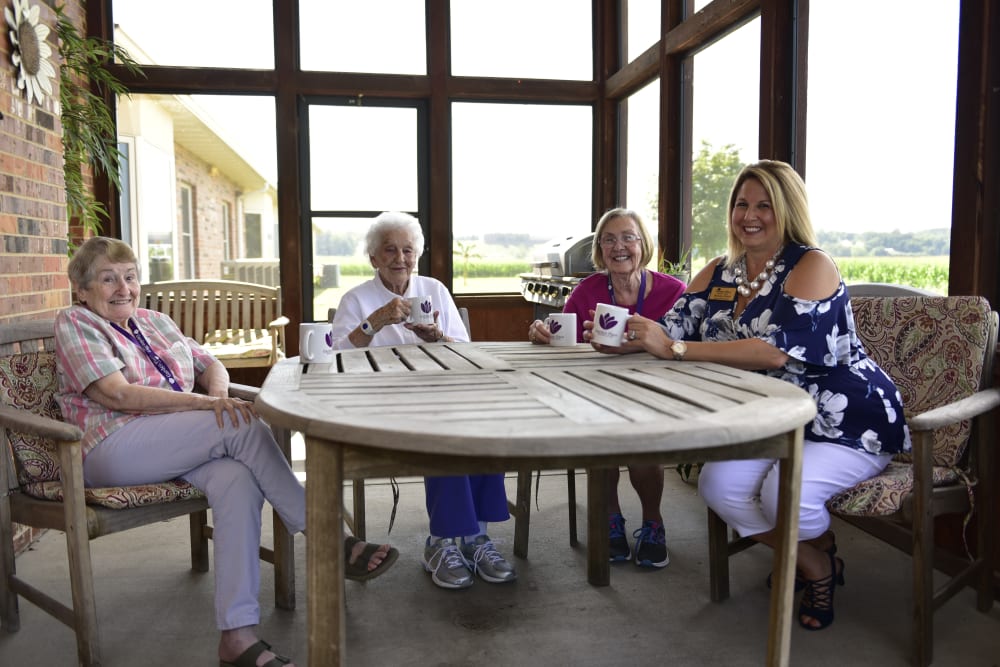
column 631, row 334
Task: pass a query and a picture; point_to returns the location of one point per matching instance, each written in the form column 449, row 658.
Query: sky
column 880, row 134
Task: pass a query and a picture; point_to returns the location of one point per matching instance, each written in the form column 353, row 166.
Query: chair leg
column 522, row 513
column 199, row 541
column 10, row 618
column 986, row 511
column 358, row 525
column 81, row 572
column 571, row 506
column 923, row 552
column 284, row 564
column 718, row 557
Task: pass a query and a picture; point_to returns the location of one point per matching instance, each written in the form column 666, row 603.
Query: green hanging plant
column 89, row 132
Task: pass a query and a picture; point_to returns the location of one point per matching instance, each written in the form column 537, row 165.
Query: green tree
column 465, row 251
column 713, row 173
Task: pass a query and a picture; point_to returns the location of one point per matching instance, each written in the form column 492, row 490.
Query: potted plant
column 89, row 133
column 680, row 269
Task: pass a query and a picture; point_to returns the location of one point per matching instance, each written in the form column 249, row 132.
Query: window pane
column 726, row 81
column 522, row 177
column 642, row 166
column 340, row 260
column 391, row 41
column 881, row 132
column 494, row 39
column 219, row 33
column 643, row 26
column 363, row 158
column 206, row 157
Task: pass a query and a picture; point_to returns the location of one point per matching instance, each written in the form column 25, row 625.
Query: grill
column 557, row 269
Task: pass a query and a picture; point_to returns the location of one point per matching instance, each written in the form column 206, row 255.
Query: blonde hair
column 787, row 193
column 597, row 257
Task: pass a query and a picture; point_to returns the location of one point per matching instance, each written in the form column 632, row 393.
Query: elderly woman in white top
column 375, row 313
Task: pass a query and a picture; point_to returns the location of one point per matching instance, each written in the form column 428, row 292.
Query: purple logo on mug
column 329, row 338
column 608, row 321
column 425, row 306
column 554, row 326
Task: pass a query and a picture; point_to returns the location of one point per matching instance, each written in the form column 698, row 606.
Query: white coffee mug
column 315, row 343
column 609, row 324
column 562, row 327
column 421, row 310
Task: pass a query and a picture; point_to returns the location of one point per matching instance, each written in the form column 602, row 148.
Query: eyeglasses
column 610, row 241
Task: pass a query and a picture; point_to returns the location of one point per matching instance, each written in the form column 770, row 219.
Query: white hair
column 392, row 221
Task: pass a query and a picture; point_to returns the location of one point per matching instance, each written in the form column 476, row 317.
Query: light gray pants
column 745, row 493
column 236, row 469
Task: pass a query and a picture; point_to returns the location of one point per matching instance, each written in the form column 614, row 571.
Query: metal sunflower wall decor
column 30, row 53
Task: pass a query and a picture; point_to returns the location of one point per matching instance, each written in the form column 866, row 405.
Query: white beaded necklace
column 746, row 288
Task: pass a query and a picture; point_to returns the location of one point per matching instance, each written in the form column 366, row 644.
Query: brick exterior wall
column 33, row 225
column 209, row 192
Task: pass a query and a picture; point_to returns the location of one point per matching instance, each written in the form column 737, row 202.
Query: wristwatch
column 367, row 328
column 679, row 348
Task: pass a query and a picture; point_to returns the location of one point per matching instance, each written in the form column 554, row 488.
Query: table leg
column 782, row 592
column 598, row 549
column 325, row 553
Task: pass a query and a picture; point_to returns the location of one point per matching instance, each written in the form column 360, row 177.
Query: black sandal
column 817, row 601
column 800, row 583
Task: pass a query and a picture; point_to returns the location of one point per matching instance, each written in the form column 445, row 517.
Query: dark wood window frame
column 784, row 32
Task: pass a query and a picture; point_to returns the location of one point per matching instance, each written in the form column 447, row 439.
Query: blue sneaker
column 651, row 545
column 619, row 543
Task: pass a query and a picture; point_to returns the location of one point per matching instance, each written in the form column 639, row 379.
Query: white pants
column 236, row 469
column 745, row 492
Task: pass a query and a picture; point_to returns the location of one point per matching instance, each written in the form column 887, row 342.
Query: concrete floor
column 154, row 611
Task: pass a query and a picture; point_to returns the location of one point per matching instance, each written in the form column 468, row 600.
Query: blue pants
column 457, row 504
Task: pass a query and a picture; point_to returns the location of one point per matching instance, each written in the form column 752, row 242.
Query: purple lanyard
column 642, row 292
column 136, row 337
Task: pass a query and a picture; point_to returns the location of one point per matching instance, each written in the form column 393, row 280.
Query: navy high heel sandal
column 800, row 583
column 817, row 601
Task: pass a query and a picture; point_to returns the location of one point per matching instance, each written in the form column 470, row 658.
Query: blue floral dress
column 858, row 404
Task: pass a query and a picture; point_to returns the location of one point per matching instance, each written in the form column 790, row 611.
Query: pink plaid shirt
column 88, row 348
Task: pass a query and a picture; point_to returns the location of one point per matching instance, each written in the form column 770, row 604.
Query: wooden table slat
column 636, row 400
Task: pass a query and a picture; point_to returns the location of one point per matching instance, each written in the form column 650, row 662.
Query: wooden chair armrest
column 966, row 408
column 28, row 422
column 244, row 391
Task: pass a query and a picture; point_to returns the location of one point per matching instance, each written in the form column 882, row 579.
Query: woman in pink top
column 622, row 249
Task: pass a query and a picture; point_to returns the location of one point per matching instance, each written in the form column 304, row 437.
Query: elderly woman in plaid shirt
column 126, row 376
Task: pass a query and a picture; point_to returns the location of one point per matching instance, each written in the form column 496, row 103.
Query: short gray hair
column 392, row 221
column 82, row 265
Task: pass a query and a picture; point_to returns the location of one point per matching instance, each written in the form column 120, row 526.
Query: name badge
column 722, row 294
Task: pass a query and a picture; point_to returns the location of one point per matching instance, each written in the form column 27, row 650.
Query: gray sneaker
column 487, row 561
column 446, row 564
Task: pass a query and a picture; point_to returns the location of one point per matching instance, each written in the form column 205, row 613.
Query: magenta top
column 593, row 290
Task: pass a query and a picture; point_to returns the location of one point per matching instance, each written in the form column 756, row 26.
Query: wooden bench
column 240, row 323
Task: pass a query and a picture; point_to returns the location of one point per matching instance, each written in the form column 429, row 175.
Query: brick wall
column 209, row 191
column 33, row 226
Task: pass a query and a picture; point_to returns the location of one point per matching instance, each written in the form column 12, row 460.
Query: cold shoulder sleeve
column 816, row 333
